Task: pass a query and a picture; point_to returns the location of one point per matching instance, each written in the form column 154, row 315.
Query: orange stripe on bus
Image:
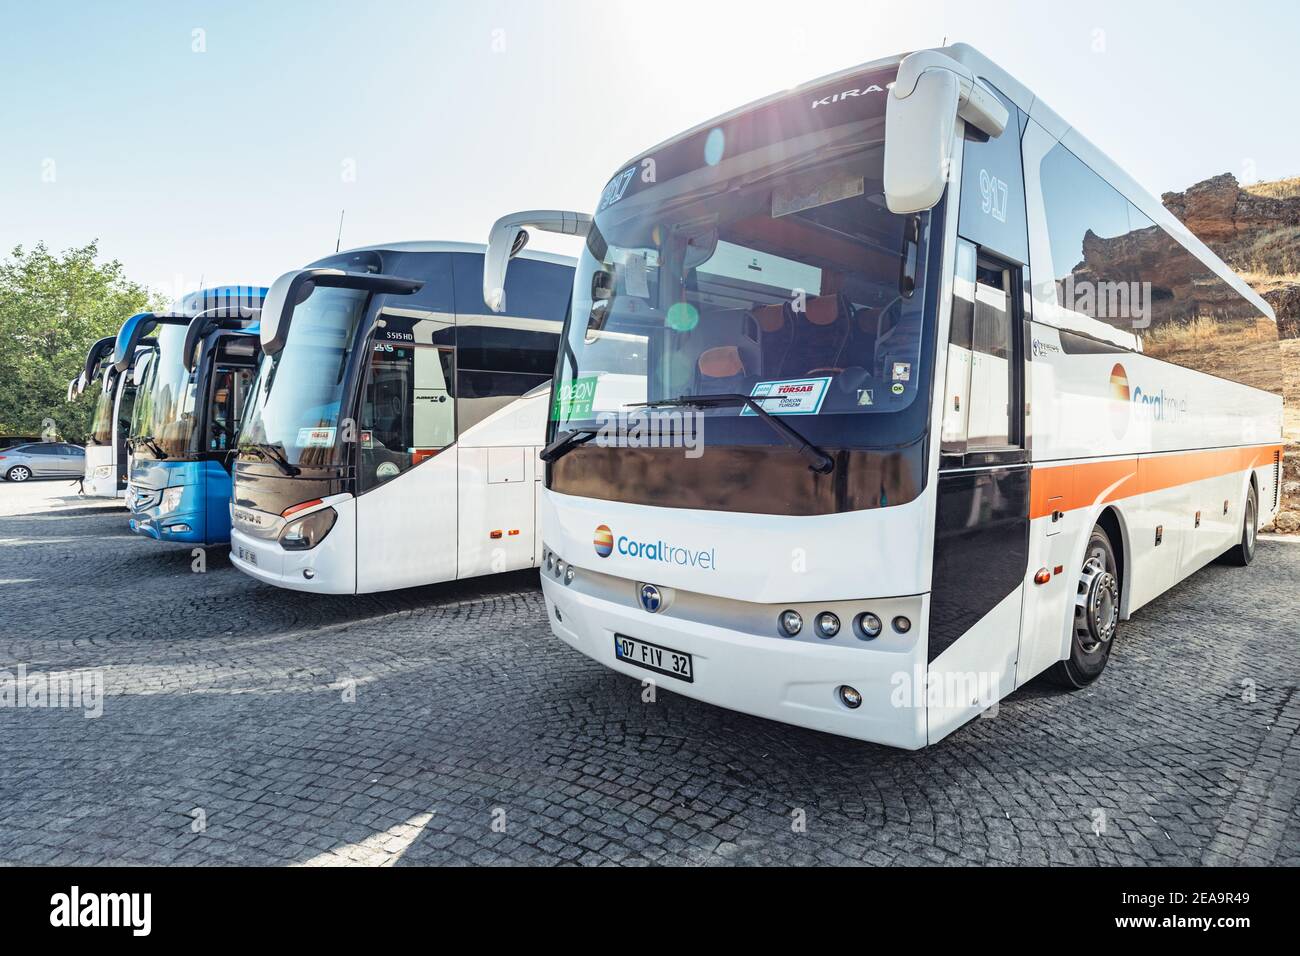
column 1067, row 487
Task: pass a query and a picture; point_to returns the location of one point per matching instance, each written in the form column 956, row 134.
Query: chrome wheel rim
column 1096, row 604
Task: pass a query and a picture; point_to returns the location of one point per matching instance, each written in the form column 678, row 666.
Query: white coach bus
column 393, row 428
column 968, row 397
column 107, row 453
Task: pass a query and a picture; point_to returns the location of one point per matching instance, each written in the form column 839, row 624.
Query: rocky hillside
column 1256, row 230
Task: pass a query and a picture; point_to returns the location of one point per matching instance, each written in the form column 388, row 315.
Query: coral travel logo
column 1119, row 409
column 658, row 550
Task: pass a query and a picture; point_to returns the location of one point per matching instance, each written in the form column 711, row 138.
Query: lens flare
column 682, row 317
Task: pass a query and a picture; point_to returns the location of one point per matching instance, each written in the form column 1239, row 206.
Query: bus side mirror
column 931, row 93
column 507, row 239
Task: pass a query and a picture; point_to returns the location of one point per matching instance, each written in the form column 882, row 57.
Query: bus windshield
column 163, row 420
column 298, row 392
column 780, row 277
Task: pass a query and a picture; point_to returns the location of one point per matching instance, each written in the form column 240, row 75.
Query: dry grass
column 1279, row 189
column 1275, row 253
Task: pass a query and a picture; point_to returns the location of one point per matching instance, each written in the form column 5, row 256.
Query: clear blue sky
column 232, row 164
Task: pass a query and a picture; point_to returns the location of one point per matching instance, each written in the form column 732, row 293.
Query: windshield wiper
column 273, row 454
column 818, row 460
column 148, row 442
column 564, row 443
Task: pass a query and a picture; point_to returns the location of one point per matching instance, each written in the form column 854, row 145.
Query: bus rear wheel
column 1242, row 553
column 1095, row 615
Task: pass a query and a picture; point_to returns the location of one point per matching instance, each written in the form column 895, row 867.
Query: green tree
column 52, row 308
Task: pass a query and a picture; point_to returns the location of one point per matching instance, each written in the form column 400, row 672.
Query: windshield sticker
column 316, row 438
column 796, row 396
column 902, row 371
column 897, row 388
column 865, row 397
column 573, row 400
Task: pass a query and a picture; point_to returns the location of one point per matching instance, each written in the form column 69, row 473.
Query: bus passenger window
column 408, row 414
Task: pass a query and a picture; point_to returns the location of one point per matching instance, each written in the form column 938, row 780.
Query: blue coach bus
column 187, row 411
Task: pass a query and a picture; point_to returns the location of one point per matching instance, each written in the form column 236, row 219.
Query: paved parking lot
column 445, row 725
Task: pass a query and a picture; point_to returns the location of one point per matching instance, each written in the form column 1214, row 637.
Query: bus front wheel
column 1095, row 615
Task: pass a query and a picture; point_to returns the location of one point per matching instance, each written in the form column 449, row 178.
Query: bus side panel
column 497, row 509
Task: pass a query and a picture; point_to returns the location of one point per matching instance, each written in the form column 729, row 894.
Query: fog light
column 308, row 573
column 569, row 575
column 849, row 697
column 791, row 622
column 178, row 528
column 828, row 625
column 902, row 625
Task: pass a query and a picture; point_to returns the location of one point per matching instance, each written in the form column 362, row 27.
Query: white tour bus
column 967, row 396
column 393, row 429
column 107, row 454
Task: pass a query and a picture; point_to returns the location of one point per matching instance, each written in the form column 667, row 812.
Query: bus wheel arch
column 1242, row 553
column 1110, row 521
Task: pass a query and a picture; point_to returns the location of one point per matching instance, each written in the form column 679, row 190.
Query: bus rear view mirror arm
column 931, row 93
column 508, row 237
column 294, row 288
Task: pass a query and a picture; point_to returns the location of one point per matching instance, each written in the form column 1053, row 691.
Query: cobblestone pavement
column 242, row 724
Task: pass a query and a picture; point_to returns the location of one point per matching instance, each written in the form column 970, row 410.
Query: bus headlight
column 303, row 534
column 791, row 622
column 827, row 624
column 171, row 499
column 868, row 626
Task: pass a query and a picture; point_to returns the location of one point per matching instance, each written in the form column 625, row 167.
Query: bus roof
column 1039, row 112
column 434, row 245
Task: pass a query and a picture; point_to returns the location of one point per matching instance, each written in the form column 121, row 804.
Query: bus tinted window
column 432, row 268
column 1113, row 264
column 503, row 349
column 534, row 290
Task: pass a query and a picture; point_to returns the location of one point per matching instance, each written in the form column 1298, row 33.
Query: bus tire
column 18, row 473
column 1242, row 553
column 1094, row 615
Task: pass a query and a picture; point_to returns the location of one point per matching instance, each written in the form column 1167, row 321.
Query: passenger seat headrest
column 770, row 318
column 823, row 310
column 724, row 361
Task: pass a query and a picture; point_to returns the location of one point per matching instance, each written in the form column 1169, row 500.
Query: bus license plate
column 662, row 660
column 248, row 557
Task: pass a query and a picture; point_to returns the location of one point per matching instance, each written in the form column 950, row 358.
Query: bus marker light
column 300, row 506
column 559, row 568
column 1043, row 576
column 828, row 625
column 568, row 575
column 791, row 622
column 902, row 625
column 849, row 697
column 494, row 535
column 1060, row 569
column 512, row 532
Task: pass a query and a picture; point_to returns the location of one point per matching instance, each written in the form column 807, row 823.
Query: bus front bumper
column 792, row 681
column 328, row 568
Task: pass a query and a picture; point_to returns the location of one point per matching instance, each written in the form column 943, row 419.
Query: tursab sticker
column 316, row 437
column 796, row 396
